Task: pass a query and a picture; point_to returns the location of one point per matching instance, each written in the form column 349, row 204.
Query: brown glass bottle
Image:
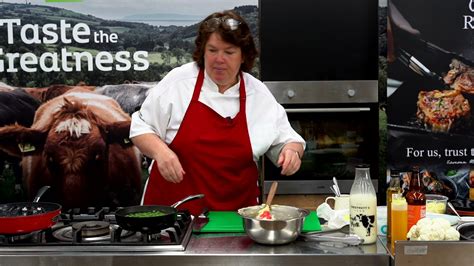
column 416, row 199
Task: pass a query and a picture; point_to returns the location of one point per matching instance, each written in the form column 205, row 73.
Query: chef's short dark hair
column 238, row 35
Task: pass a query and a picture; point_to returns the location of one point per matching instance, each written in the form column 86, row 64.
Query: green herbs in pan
column 153, row 213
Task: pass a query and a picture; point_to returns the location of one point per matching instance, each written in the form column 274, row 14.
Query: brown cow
column 78, row 145
column 47, row 93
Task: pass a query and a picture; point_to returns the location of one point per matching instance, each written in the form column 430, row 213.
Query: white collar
column 210, row 85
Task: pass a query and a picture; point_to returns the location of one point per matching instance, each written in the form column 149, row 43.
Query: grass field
column 153, row 57
column 118, row 30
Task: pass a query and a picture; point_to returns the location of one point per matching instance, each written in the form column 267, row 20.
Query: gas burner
column 97, row 230
column 92, row 231
column 32, row 237
column 92, row 228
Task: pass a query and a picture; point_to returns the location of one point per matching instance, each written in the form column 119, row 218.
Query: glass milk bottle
column 363, row 206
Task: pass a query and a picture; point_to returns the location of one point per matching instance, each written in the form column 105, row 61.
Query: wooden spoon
column 271, row 193
column 264, row 213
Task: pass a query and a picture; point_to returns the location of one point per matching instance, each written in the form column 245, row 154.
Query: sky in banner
column 117, row 9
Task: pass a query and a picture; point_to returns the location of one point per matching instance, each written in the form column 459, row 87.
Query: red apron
column 216, row 154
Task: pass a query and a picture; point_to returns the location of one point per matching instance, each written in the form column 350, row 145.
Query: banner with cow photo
column 71, row 74
column 431, row 93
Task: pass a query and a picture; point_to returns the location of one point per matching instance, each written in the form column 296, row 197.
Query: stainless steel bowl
column 466, row 231
column 285, row 228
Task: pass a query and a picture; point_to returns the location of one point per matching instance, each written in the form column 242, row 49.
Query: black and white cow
column 129, row 96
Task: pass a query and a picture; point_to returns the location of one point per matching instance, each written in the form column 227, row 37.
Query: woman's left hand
column 289, row 159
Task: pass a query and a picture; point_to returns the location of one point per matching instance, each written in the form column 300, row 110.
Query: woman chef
column 207, row 122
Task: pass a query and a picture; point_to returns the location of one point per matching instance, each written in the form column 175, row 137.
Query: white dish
column 452, row 219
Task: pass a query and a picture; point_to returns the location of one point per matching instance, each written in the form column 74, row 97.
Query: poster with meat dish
column 430, row 113
column 71, row 74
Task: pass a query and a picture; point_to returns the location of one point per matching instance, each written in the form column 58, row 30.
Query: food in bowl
column 265, row 213
column 436, row 203
column 145, row 214
column 285, row 227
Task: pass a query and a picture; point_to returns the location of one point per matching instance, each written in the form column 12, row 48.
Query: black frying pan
column 150, row 224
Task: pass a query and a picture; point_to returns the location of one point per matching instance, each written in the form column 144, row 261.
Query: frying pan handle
column 192, row 197
column 40, row 193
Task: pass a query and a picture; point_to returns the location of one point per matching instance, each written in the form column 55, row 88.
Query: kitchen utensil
column 439, row 52
column 336, row 186
column 349, row 239
column 151, row 224
column 26, row 217
column 333, row 191
column 414, row 64
column 285, row 228
column 344, row 229
column 271, row 193
column 40, row 193
column 462, row 219
column 454, row 210
column 466, row 230
column 265, row 213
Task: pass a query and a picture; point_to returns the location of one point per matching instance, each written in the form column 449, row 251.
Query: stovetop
column 96, row 230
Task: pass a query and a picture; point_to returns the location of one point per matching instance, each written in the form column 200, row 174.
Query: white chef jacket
column 163, row 110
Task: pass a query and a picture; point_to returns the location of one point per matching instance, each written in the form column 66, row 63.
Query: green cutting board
column 231, row 222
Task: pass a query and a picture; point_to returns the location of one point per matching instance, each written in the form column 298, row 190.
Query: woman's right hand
column 167, row 161
column 169, row 166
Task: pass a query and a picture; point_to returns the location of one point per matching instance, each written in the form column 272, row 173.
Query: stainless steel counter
column 459, row 253
column 210, row 249
column 408, row 253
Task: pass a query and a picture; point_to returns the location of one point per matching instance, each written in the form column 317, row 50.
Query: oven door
column 338, row 138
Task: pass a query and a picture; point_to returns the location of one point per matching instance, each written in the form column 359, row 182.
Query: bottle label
column 363, row 218
column 415, row 213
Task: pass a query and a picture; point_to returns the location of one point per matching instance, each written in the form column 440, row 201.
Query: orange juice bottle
column 399, row 223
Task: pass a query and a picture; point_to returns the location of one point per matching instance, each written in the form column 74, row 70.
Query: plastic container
column 436, row 203
column 399, row 220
